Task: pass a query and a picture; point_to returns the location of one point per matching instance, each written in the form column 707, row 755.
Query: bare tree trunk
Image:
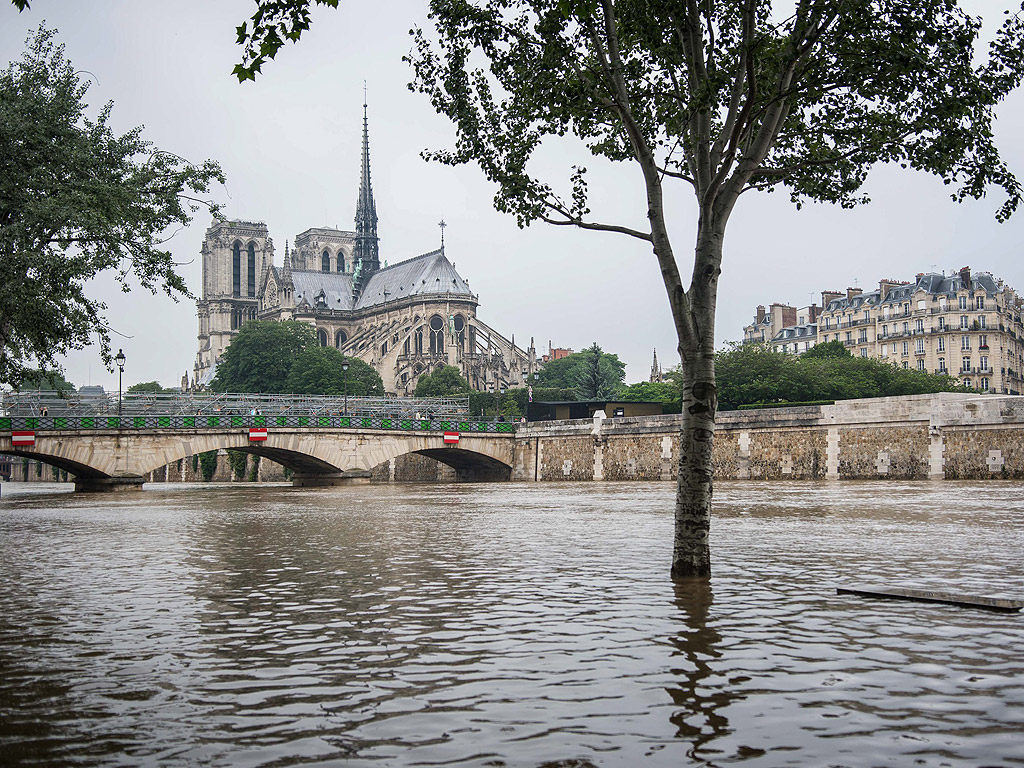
column 691, row 556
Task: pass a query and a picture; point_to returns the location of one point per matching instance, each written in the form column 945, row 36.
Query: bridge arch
column 317, row 456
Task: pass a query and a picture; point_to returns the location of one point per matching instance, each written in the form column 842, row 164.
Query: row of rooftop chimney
column 789, row 314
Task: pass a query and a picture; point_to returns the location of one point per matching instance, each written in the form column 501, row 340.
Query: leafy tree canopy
column 46, row 380
column 148, row 386
column 77, row 201
column 827, row 349
column 754, row 373
column 592, row 374
column 261, row 356
column 318, row 371
column 442, row 381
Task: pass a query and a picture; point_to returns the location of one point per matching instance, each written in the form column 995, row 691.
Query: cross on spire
column 442, row 225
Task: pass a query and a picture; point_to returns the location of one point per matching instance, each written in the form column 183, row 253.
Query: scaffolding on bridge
column 54, row 403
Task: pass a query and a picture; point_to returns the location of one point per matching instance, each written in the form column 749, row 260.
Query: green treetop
column 77, row 201
column 261, row 356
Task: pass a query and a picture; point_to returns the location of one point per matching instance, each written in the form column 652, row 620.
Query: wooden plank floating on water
column 932, row 596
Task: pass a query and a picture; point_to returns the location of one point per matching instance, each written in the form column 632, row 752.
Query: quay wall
column 948, row 435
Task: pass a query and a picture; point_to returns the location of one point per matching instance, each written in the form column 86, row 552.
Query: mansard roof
column 424, row 275
column 430, row 273
column 931, row 283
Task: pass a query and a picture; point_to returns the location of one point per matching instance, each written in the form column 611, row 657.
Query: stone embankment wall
column 942, row 436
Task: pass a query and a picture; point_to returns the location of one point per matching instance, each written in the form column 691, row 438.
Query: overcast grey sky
column 289, row 145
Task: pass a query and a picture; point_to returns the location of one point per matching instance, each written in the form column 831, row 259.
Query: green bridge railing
column 396, row 424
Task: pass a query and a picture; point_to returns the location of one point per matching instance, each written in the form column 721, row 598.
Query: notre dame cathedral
column 405, row 319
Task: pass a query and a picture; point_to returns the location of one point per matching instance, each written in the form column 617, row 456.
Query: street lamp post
column 119, row 358
column 344, row 380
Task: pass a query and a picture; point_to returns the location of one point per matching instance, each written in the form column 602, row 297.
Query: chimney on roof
column 884, row 286
column 965, row 277
column 760, row 312
column 851, row 292
column 828, row 296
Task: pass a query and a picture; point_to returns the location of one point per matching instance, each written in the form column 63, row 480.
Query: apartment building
column 964, row 325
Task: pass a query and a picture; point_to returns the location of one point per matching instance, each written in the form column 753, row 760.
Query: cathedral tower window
column 321, row 336
column 459, row 324
column 341, row 260
column 236, row 269
column 325, row 262
column 251, row 276
column 436, row 335
column 340, row 338
column 419, row 340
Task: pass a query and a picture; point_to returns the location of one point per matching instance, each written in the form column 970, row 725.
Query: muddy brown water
column 507, row 625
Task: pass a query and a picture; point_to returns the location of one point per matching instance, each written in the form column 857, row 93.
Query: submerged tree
column 76, row 201
column 724, row 97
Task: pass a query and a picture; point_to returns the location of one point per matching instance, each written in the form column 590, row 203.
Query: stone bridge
column 120, row 457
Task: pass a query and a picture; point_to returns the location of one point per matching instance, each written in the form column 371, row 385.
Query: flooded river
column 507, row 625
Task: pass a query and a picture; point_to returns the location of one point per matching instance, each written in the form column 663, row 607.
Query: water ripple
column 507, row 625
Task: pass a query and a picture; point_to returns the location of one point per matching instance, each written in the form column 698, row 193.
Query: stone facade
column 946, row 435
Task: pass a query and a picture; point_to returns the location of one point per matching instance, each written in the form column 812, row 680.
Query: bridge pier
column 325, row 480
column 108, row 484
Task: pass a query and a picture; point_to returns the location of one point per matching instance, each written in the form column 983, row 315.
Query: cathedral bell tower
column 366, row 254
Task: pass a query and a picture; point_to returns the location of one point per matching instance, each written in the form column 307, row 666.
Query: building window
column 965, row 364
column 981, row 321
column 906, row 364
column 384, row 349
column 251, row 277
column 963, row 302
column 849, row 337
column 967, row 382
column 418, row 337
column 920, row 364
column 340, row 338
column 965, row 342
column 906, row 348
column 828, row 323
column 894, row 347
column 942, row 323
column 919, row 326
column 983, row 363
column 919, row 346
column 884, row 351
column 942, row 365
column 341, row 260
column 864, row 352
column 325, row 262
column 920, row 304
column 983, row 341
column 436, row 335
column 321, row 336
column 867, row 316
column 784, row 348
column 984, row 385
column 459, row 326
column 236, row 269
column 979, row 302
column 942, row 344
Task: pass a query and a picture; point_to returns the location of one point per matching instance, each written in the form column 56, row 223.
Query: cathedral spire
column 656, row 374
column 367, row 255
